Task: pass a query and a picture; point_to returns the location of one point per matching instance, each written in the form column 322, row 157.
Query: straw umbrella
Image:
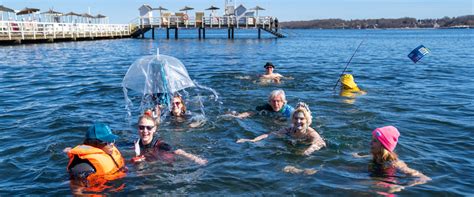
column 5, row 9
column 86, row 15
column 160, row 9
column 71, row 14
column 257, row 8
column 29, row 11
column 99, row 16
column 213, row 9
column 186, row 8
column 52, row 14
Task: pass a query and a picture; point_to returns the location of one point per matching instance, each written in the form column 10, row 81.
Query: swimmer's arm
column 240, row 115
column 316, row 143
column 67, row 150
column 191, row 157
column 197, row 123
column 358, row 155
column 261, row 137
column 244, row 115
column 258, row 138
column 403, row 167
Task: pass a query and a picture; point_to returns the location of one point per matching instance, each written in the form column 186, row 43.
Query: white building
column 146, row 14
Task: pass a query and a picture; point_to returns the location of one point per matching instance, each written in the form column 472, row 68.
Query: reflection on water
column 51, row 93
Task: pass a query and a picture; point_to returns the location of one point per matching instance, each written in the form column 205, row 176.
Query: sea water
column 51, row 93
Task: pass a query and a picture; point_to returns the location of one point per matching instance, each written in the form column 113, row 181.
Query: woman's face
column 146, row 129
column 375, row 146
column 177, row 107
column 299, row 121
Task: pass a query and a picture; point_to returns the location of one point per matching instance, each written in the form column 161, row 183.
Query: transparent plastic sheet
column 150, row 74
column 155, row 78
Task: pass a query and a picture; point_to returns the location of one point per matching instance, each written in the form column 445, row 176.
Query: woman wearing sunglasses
column 151, row 148
column 178, row 108
column 269, row 74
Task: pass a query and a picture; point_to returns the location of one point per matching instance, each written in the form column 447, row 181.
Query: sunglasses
column 142, row 127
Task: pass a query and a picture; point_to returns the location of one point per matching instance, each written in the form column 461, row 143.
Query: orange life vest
column 104, row 163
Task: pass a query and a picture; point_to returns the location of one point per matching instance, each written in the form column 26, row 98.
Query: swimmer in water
column 300, row 129
column 150, row 148
column 384, row 141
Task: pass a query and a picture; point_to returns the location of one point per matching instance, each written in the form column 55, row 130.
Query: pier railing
column 22, row 30
column 204, row 22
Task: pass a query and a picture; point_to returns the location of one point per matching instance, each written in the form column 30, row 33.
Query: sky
column 125, row 11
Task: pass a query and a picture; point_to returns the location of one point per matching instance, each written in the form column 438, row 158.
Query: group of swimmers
column 98, row 156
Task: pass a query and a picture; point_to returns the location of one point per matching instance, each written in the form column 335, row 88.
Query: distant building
column 240, row 10
column 146, row 14
column 229, row 7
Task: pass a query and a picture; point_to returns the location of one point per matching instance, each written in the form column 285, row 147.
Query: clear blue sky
column 123, row 11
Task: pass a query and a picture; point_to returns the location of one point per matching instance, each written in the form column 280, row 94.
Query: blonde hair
column 385, row 155
column 304, row 108
column 146, row 116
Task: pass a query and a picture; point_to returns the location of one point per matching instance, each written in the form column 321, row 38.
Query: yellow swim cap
column 348, row 80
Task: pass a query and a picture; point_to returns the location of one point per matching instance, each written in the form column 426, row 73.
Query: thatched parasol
column 257, row 8
column 212, row 8
column 5, row 9
column 186, row 8
column 160, row 9
column 27, row 11
column 52, row 12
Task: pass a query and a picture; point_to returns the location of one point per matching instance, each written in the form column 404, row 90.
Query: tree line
column 406, row 22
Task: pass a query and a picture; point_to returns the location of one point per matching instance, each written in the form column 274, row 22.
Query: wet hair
column 183, row 108
column 147, row 116
column 385, row 155
column 95, row 143
column 275, row 93
column 304, row 108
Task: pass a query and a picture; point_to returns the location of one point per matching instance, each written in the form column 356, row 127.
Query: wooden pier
column 31, row 32
column 231, row 23
column 17, row 32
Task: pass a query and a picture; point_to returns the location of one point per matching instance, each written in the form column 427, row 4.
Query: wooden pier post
column 152, row 33
column 204, row 33
column 176, row 33
column 167, row 33
column 232, row 32
column 228, row 33
column 259, row 32
column 199, row 32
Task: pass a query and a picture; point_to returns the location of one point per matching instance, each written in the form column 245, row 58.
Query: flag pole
column 339, row 78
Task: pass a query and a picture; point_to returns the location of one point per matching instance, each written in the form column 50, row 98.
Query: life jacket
column 103, row 163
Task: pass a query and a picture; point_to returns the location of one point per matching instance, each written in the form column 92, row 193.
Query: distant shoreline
column 461, row 22
column 404, row 28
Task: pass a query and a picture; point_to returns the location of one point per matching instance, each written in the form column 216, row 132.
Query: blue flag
column 418, row 53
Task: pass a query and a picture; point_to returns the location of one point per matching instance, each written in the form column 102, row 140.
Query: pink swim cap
column 387, row 136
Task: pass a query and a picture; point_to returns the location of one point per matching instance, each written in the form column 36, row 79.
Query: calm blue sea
column 51, row 93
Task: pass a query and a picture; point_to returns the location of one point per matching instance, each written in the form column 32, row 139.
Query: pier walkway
column 201, row 24
column 28, row 32
column 19, row 31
